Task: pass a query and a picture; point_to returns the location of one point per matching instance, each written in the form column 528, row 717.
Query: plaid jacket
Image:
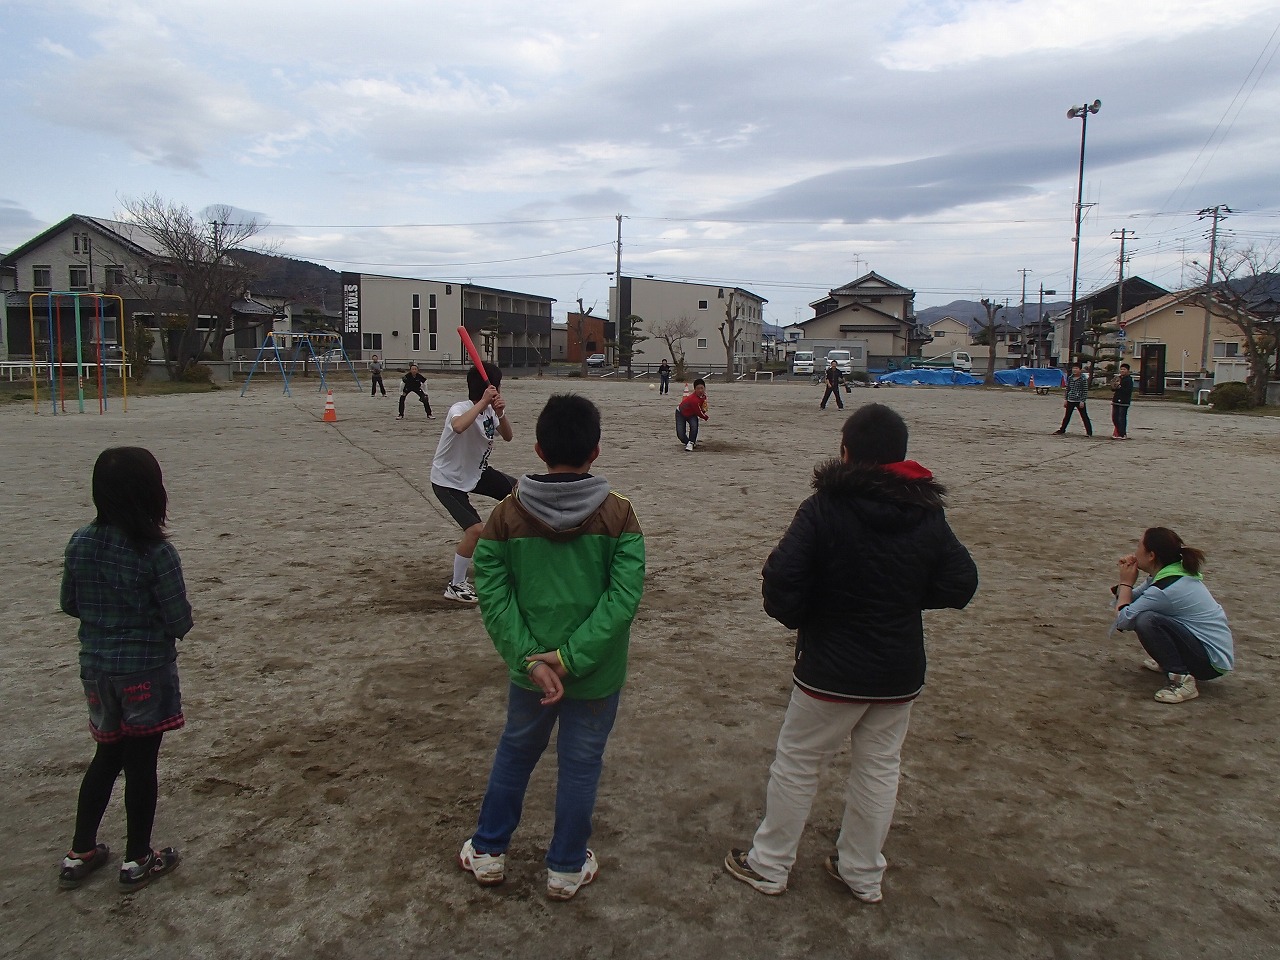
column 1077, row 389
column 132, row 606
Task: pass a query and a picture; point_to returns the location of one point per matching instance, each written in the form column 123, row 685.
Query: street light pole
column 1081, row 112
column 1040, row 321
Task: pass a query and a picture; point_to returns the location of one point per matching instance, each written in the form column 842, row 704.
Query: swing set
column 304, row 349
column 58, row 368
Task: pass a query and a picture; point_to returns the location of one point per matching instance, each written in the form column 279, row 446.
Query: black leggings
column 138, row 758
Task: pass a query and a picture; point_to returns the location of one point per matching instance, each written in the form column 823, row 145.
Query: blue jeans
column 584, row 731
column 686, row 428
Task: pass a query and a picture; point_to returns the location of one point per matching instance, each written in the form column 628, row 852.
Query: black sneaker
column 76, row 869
column 136, row 875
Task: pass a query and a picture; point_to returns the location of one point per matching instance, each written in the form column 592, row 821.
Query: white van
column 843, row 359
column 802, row 363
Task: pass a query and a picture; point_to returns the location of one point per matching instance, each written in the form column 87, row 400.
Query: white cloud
column 46, row 45
column 962, row 33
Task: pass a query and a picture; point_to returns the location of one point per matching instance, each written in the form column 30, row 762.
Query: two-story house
column 871, row 309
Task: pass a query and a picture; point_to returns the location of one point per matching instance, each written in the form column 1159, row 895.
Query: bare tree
column 988, row 331
column 1247, row 299
column 729, row 333
column 673, row 331
column 580, row 331
column 198, row 252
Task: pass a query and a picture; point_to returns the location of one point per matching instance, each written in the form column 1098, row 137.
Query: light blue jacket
column 1187, row 600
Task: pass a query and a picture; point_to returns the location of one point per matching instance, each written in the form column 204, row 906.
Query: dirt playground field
column 341, row 715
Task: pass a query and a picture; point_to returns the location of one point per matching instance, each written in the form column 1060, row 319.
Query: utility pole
column 617, row 291
column 1022, row 310
column 1218, row 212
column 1124, row 235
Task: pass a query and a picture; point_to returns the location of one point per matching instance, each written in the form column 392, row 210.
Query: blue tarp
column 1045, row 377
column 941, row 378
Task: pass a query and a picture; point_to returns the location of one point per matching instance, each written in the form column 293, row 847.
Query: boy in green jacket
column 559, row 571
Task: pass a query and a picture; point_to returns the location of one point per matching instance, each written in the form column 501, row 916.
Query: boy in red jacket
column 692, row 409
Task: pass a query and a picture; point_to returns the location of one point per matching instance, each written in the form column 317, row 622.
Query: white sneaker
column 1182, row 686
column 489, row 870
column 689, row 445
column 1149, row 664
column 461, row 592
column 562, row 886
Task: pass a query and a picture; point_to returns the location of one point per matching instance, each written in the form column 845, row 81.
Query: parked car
column 802, row 363
column 597, row 360
column 843, row 359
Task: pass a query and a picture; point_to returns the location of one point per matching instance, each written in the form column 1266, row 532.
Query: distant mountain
column 304, row 283
column 973, row 312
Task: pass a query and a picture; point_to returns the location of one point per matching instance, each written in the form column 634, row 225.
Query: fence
column 24, row 368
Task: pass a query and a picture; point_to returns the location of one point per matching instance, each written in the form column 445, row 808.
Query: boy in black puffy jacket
column 865, row 555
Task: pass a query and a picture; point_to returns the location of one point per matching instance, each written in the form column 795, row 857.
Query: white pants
column 812, row 732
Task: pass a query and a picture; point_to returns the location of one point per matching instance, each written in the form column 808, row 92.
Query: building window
column 702, row 342
column 80, row 242
column 41, row 278
column 721, row 294
column 1223, row 350
column 431, row 342
column 416, row 326
column 1179, row 312
column 417, row 301
column 115, row 274
column 432, row 320
column 702, row 304
column 448, row 289
column 371, row 341
column 77, row 278
column 431, row 301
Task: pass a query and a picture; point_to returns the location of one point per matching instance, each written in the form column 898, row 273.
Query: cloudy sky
column 782, row 147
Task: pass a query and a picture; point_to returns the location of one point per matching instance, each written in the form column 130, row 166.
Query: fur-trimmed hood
column 907, row 484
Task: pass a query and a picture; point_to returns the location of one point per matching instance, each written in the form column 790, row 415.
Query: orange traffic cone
column 330, row 412
column 687, row 391
column 1033, row 381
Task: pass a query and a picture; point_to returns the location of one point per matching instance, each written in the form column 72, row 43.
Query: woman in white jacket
column 1177, row 621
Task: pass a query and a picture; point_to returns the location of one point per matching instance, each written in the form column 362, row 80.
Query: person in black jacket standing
column 865, row 555
column 1121, row 399
column 833, row 387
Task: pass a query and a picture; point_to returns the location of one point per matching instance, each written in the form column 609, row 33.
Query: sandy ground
column 342, row 714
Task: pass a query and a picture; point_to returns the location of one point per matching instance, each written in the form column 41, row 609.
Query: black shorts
column 493, row 483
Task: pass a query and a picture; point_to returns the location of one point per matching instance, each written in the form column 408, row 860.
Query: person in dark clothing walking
column 833, row 378
column 412, row 383
column 375, row 377
column 664, row 377
column 1077, row 397
column 866, row 554
column 1121, row 398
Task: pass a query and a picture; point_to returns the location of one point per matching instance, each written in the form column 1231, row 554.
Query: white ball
column 652, row 387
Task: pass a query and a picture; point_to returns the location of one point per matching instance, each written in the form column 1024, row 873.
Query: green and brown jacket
column 560, row 566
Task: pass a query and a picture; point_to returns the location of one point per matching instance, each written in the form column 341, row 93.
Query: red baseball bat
column 473, row 352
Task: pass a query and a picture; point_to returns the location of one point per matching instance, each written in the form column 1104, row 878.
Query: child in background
column 692, row 409
column 412, row 382
column 559, row 573
column 123, row 580
column 461, row 467
column 375, row 378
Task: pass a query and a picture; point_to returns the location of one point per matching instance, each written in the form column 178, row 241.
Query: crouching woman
column 1177, row 621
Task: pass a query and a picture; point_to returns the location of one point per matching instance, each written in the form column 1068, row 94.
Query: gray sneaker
column 866, row 896
column 739, row 869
